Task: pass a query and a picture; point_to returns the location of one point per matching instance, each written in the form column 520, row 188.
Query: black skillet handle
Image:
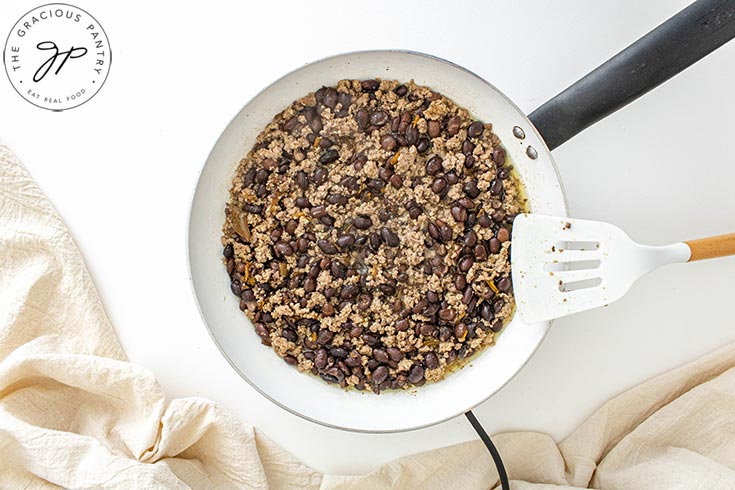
column 679, row 42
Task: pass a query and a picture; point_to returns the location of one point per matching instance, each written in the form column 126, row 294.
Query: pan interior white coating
column 308, row 396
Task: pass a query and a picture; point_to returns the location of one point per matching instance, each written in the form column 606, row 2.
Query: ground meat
column 368, row 234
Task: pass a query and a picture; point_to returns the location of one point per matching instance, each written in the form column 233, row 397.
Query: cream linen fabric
column 75, row 414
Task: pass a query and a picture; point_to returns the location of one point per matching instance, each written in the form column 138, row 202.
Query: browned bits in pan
column 367, row 235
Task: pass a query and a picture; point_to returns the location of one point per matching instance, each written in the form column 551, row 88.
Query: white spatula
column 562, row 266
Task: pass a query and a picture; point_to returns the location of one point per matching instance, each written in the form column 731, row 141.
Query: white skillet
column 392, row 411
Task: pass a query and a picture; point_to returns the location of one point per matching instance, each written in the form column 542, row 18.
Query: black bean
column 412, row 135
column 433, row 231
column 434, row 128
column 504, row 284
column 380, row 374
column 494, row 244
column 427, row 329
column 416, row 375
column 329, row 156
column 345, row 99
column 469, row 161
column 485, row 221
column 324, row 336
column 497, row 325
column 499, row 156
column 370, row 339
column 346, row 241
column 466, row 202
column 460, row 282
column 318, row 211
column 249, row 178
column 385, row 173
column 362, row 222
column 338, row 269
column 337, row 199
column 349, row 291
column 229, row 251
column 325, row 143
column 498, row 216
column 465, row 264
column 253, row 208
column 319, row 97
column 333, row 375
column 396, row 181
column 370, row 85
column 459, row 214
column 504, row 173
column 400, row 90
column 434, row 165
column 390, row 238
column 503, row 235
column 380, row 355
column 498, row 305
column 302, row 180
column 423, row 144
column 496, row 187
column 470, row 188
column 289, row 334
column 378, row 118
column 314, row 271
column 415, row 212
column 453, row 125
column 363, row 119
column 480, row 252
column 376, row 184
column 475, row 129
column 439, row 184
column 326, row 246
column 284, row 248
column 291, row 226
column 261, row 176
column 330, row 98
column 470, row 238
column 316, row 124
column 320, row 358
column 402, row 325
column 467, row 147
column 338, row 352
column 236, row 288
column 364, row 301
column 486, row 311
column 394, row 353
column 355, row 331
column 309, row 284
column 387, row 289
column 431, row 360
column 388, row 142
column 445, row 231
column 447, row 314
column 302, row 202
column 375, row 241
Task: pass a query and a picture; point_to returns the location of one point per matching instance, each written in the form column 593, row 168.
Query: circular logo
column 57, row 56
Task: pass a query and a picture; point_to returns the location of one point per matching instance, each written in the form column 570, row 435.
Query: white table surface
column 121, row 170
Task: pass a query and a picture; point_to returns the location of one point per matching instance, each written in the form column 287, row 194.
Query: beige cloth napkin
column 75, row 414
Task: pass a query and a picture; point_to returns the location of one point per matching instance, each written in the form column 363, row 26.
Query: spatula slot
column 577, row 265
column 577, row 245
column 566, row 287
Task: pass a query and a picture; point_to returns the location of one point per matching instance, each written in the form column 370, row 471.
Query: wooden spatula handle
column 711, row 247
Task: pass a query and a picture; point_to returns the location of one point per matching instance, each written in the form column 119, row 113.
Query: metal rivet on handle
column 532, row 153
column 518, row 132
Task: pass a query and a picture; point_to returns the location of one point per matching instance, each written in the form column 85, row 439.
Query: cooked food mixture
column 368, row 234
